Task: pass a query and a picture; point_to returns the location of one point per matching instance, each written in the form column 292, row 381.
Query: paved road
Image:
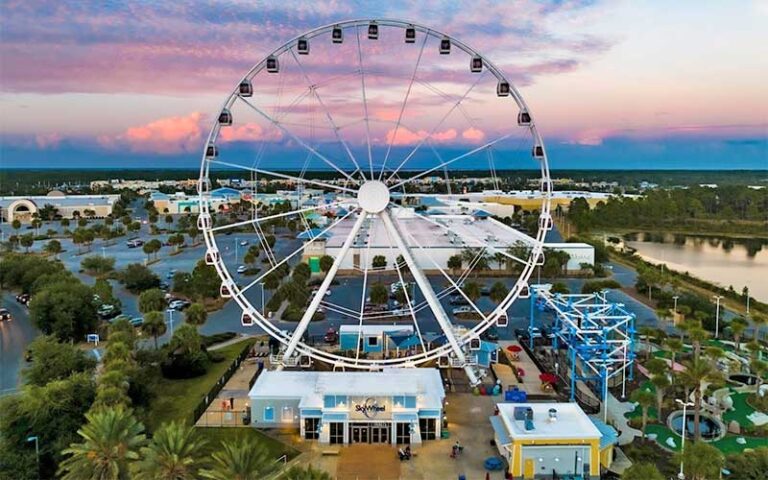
column 14, row 338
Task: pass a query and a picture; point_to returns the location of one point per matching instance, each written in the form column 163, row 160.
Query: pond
column 736, row 262
column 709, row 427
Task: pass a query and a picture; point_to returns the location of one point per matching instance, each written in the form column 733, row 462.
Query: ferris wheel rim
column 427, row 355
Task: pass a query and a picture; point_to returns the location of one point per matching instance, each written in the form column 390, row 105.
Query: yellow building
column 544, row 440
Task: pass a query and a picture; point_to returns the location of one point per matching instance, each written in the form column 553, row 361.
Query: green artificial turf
column 740, row 411
column 177, row 399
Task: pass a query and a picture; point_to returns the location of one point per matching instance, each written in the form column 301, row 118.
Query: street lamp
column 675, row 299
column 37, row 451
column 170, row 319
column 262, row 298
column 681, row 475
column 717, row 315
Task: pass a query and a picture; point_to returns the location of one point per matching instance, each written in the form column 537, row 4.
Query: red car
column 331, row 336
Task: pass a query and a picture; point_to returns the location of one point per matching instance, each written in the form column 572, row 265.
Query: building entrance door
column 361, row 434
column 380, row 433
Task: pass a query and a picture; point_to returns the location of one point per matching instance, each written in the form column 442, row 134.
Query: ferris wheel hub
column 373, row 196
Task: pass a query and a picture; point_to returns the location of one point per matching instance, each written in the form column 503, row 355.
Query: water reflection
column 726, row 261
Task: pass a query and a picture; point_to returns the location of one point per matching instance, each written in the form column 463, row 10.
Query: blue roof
column 313, row 233
column 500, row 430
column 403, row 338
column 431, row 202
column 610, row 435
column 488, row 346
column 158, row 195
column 481, row 214
column 225, row 192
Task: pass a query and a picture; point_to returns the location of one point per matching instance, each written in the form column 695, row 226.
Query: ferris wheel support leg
column 312, row 308
column 429, row 295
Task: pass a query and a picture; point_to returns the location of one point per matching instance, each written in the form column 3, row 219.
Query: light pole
column 681, row 475
column 37, row 451
column 170, row 319
column 746, row 294
column 262, row 298
column 237, row 244
column 675, row 299
column 717, row 315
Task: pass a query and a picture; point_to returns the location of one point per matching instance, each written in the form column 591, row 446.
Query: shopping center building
column 395, row 406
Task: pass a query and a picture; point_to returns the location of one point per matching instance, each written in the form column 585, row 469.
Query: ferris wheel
column 343, row 137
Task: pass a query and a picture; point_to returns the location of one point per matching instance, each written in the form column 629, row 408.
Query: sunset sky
column 614, row 84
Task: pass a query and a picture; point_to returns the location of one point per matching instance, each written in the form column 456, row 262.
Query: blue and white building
column 373, row 338
column 395, row 406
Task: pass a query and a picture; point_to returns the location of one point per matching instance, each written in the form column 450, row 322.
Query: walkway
column 616, row 411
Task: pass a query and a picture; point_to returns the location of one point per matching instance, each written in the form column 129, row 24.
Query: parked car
column 491, row 334
column 170, row 274
column 462, row 310
column 5, row 315
column 164, row 286
column 178, row 304
column 134, row 243
column 107, row 311
column 331, row 336
column 244, row 243
column 137, row 321
column 241, row 269
column 458, row 300
column 23, row 298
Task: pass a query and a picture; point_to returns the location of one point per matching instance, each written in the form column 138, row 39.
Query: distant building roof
column 313, row 233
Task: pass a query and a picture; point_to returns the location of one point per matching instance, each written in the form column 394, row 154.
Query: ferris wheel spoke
column 320, row 294
column 452, row 160
column 402, row 108
column 297, row 251
column 454, row 285
column 272, row 217
column 334, row 126
column 438, row 125
column 428, row 291
column 295, row 138
column 408, row 300
column 364, row 292
column 480, row 242
column 365, row 100
column 284, row 176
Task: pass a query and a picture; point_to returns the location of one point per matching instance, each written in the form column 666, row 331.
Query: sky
column 611, row 84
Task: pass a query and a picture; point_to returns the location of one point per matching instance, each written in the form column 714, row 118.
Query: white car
column 244, row 243
column 241, row 269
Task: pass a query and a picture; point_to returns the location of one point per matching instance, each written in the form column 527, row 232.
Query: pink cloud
column 407, row 137
column 165, row 136
column 248, row 132
column 473, row 134
column 48, row 140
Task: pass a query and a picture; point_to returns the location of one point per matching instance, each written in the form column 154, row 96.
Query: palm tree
column 758, row 321
column 675, row 346
column 112, row 438
column 244, row 459
column 642, row 471
column 645, row 399
column 702, row 461
column 308, row 473
column 196, row 315
column 697, row 371
column 154, row 325
column 499, row 292
column 647, row 332
column 697, row 336
column 737, row 326
column 660, row 383
column 174, row 453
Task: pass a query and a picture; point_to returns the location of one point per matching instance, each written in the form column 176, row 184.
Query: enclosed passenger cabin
column 502, row 320
column 273, row 66
column 211, row 151
column 203, row 221
column 474, row 343
column 545, row 221
column 410, row 34
column 246, row 320
column 476, row 64
column 337, row 35
column 245, row 89
column 538, row 151
column 524, row 119
column 225, row 292
column 445, row 46
column 211, row 257
column 502, row 88
column 525, row 290
column 303, row 46
column 373, row 31
column 225, row 118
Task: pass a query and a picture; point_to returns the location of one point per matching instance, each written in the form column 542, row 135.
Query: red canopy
column 521, row 372
column 515, row 348
column 548, row 378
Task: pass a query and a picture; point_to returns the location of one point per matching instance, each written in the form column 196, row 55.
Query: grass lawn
column 215, row 436
column 726, row 444
column 177, row 399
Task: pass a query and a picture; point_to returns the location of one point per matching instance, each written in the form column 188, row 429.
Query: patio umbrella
column 515, row 348
column 548, row 378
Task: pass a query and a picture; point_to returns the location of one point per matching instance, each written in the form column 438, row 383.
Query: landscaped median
column 177, row 399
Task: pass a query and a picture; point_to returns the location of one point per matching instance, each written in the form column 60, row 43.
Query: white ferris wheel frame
column 294, row 346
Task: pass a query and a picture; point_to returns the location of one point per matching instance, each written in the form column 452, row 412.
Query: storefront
column 397, row 406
